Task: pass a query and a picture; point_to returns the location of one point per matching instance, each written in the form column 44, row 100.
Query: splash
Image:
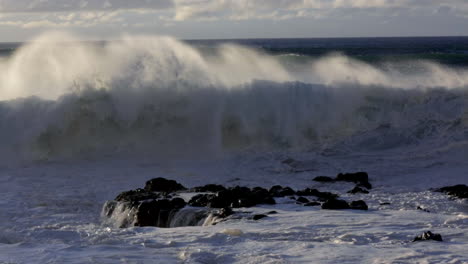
column 141, row 94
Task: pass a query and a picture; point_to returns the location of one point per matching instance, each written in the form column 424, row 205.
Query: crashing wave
column 63, row 98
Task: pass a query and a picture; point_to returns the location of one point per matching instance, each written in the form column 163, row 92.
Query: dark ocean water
column 451, row 51
column 444, row 50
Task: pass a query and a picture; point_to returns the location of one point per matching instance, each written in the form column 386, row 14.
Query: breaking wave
column 66, row 98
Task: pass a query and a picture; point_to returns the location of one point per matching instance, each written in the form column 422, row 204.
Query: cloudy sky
column 106, row 19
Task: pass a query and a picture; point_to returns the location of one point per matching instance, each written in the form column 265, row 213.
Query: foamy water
column 81, row 122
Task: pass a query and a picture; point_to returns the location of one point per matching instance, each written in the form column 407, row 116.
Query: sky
column 21, row 20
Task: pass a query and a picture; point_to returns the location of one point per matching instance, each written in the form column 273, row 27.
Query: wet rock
column 359, row 205
column 428, row 236
column 324, row 179
column 353, row 177
column 234, row 197
column 459, row 191
column 225, row 212
column 385, row 203
column 312, row 204
column 259, row 216
column 358, row 189
column 334, row 204
column 422, row 209
column 163, row 185
column 271, row 212
column 214, row 188
column 200, row 200
column 302, row 200
column 157, row 212
column 361, row 178
column 279, row 191
column 136, row 196
column 321, row 195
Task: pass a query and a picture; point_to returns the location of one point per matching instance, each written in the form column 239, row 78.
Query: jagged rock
column 358, row 189
column 234, row 197
column 136, row 196
column 359, row 205
column 157, row 212
column 279, row 191
column 163, row 185
column 214, row 188
column 324, row 179
column 302, row 200
column 459, row 191
column 321, row 195
column 428, row 236
column 259, row 216
column 312, row 204
column 334, row 204
column 201, row 200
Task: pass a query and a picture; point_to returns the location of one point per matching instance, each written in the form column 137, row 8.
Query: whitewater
column 81, row 122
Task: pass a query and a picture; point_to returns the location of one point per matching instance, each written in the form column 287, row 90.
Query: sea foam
column 145, row 94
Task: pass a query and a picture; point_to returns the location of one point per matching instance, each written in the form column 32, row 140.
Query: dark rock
column 321, row 195
column 362, row 178
column 271, row 212
column 312, row 204
column 225, row 212
column 259, row 216
column 324, row 179
column 214, row 188
column 359, row 205
column 155, row 213
column 163, row 185
column 459, row 191
column 334, row 204
column 201, row 200
column 178, row 203
column 302, row 200
column 136, row 196
column 422, row 209
column 256, row 196
column 386, row 203
column 358, row 190
column 353, row 177
column 279, row 191
column 428, row 236
column 234, row 197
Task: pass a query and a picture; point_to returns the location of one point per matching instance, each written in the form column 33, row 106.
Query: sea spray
column 142, row 95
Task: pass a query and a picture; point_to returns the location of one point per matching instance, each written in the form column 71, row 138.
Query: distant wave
column 63, row 98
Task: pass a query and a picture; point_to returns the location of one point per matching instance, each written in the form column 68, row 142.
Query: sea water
column 82, row 121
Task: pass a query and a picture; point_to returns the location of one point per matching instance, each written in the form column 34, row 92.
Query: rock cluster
column 160, row 202
column 360, row 178
column 459, row 191
column 428, row 236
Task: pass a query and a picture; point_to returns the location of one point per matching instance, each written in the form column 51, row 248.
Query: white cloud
column 21, row 6
column 280, row 9
column 87, row 13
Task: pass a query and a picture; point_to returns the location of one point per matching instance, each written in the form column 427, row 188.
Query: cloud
column 87, row 13
column 281, row 9
column 24, row 6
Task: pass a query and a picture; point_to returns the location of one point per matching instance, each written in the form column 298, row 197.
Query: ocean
column 81, row 122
